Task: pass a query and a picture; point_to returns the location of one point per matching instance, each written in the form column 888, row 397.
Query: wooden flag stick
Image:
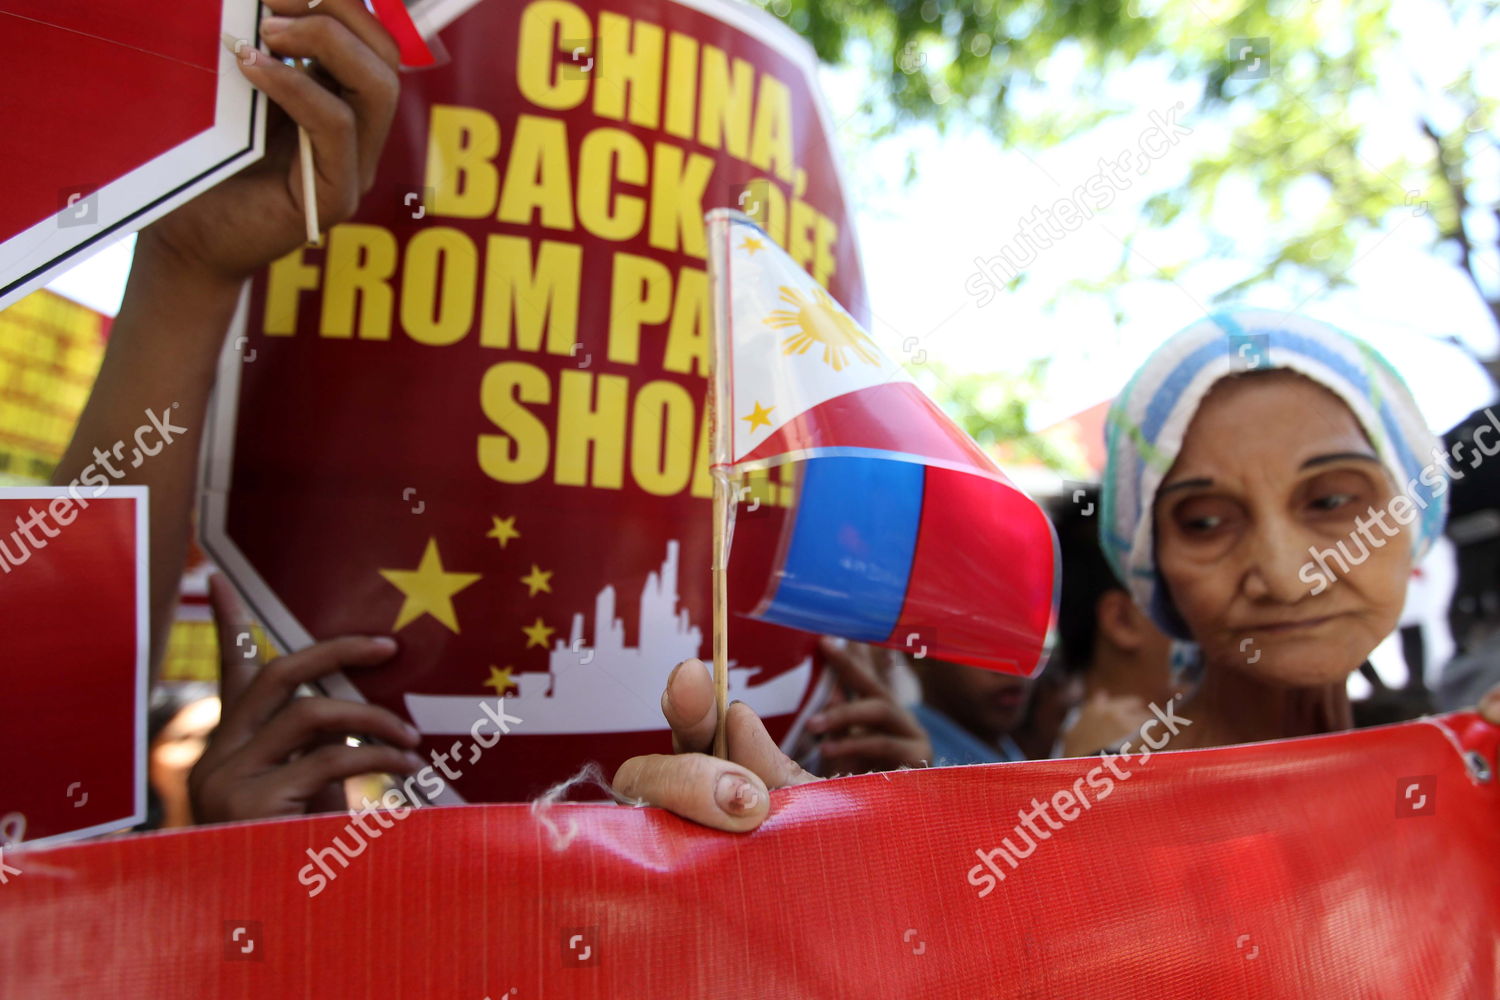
column 720, row 429
column 721, row 614
column 309, row 176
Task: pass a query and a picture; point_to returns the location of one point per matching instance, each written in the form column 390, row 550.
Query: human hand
column 731, row 794
column 274, row 754
column 256, row 216
column 1489, row 706
column 867, row 730
column 1103, row 721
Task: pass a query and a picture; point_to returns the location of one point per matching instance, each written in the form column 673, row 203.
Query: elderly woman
column 1270, row 485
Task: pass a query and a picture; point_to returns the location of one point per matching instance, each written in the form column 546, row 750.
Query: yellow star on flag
column 751, row 245
column 500, row 680
column 759, row 417
column 504, row 530
column 538, row 580
column 538, row 634
column 428, row 589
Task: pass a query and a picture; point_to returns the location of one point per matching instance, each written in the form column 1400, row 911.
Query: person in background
column 965, row 715
column 1055, row 696
column 969, row 712
column 1103, row 637
column 178, row 725
column 1474, row 528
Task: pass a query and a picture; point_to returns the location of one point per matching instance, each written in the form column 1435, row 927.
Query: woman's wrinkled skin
column 1273, row 469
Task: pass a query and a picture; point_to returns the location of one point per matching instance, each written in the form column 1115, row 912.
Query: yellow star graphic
column 759, row 417
column 538, row 579
column 504, row 530
column 538, row 634
column 428, row 589
column 500, row 680
column 751, row 245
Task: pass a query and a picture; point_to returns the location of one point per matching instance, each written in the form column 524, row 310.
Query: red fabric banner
column 1358, row 865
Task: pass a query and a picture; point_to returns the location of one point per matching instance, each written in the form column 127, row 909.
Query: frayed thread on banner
column 542, row 805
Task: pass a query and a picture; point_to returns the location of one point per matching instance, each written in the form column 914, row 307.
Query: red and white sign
column 73, row 662
column 474, row 419
column 115, row 113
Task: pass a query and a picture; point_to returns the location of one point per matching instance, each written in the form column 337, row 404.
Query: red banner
column 475, row 418
column 73, row 656
column 1350, row 866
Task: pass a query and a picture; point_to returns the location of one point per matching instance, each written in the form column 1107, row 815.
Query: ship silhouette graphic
column 607, row 686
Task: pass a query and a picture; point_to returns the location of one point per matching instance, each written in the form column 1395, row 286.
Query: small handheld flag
column 904, row 533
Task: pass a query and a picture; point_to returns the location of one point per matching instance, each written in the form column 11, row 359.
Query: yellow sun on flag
column 820, row 321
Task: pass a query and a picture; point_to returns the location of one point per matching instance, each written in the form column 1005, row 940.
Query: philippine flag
column 904, row 533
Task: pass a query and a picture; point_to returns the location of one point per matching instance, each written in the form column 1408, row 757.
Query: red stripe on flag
column 982, row 577
column 393, row 14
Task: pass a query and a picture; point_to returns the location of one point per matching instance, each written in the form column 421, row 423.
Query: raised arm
column 159, row 367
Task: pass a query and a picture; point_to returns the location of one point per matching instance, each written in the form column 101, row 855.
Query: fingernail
column 735, row 795
column 242, row 49
column 817, row 722
column 384, row 643
column 412, row 735
column 274, row 25
column 666, row 695
column 413, row 762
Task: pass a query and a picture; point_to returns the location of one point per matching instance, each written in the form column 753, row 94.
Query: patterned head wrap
column 1147, row 422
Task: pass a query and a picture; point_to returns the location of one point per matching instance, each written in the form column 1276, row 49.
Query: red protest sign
column 475, row 418
column 114, row 115
column 72, row 719
column 1277, row 871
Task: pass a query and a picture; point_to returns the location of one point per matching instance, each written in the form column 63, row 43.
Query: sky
column 921, row 242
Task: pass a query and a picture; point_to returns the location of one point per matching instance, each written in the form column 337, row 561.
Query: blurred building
column 50, row 350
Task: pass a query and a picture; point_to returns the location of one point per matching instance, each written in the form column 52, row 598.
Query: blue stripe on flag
column 851, row 550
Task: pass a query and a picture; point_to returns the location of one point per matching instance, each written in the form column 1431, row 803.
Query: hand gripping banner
column 1361, row 865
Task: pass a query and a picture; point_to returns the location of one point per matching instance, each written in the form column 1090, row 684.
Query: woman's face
column 1275, row 469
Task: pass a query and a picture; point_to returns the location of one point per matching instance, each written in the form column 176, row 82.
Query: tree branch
column 1455, row 185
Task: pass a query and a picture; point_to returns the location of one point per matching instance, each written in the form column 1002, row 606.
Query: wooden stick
column 720, row 429
column 309, row 177
column 721, row 615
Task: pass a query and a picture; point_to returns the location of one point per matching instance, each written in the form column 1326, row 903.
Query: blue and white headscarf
column 1147, row 422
